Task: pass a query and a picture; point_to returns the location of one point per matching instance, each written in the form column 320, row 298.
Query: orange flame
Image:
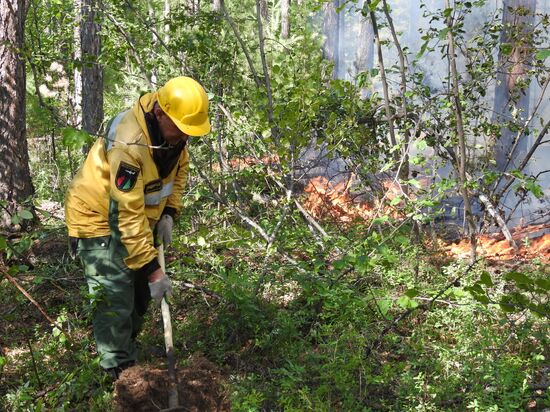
column 326, row 199
column 495, row 247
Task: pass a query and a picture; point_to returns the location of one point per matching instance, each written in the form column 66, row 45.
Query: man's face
column 168, row 129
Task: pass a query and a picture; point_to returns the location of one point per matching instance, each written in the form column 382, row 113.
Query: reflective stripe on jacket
column 97, row 204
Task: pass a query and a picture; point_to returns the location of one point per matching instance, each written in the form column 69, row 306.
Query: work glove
column 159, row 288
column 164, row 230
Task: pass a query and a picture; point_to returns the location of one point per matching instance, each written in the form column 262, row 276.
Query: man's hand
column 164, row 229
column 159, row 285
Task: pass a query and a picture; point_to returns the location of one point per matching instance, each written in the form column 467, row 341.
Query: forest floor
column 47, row 366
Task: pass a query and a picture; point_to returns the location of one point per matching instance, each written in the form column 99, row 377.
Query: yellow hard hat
column 184, row 100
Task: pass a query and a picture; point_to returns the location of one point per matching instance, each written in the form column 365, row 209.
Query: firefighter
column 126, row 196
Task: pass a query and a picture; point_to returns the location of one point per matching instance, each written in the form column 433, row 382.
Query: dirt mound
column 199, row 388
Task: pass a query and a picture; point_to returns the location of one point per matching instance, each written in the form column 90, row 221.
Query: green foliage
column 360, row 318
column 75, row 139
column 526, row 291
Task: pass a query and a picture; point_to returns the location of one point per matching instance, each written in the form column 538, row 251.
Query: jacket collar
column 144, row 105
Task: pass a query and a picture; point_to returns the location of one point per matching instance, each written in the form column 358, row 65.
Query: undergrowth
column 297, row 328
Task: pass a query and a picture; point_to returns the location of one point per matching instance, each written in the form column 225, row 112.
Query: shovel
column 168, row 342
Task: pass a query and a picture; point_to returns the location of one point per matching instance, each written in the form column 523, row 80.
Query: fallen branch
column 35, row 303
column 201, row 289
column 500, row 221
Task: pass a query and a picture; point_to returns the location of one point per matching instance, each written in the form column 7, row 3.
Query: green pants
column 119, row 298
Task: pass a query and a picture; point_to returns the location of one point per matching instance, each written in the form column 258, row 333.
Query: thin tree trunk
column 135, row 53
column 331, row 31
column 166, row 18
column 76, row 98
column 154, row 42
column 264, row 10
column 15, row 179
column 265, row 71
column 461, row 138
column 364, row 57
column 385, row 88
column 92, row 72
column 517, row 22
column 241, row 42
column 285, row 19
column 404, row 169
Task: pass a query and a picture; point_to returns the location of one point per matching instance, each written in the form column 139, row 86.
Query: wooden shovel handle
column 168, row 340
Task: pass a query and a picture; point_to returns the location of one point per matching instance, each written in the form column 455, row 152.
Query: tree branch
column 241, row 42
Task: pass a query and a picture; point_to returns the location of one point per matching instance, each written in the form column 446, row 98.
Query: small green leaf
column 506, row 307
column 75, row 139
column 532, row 186
column 25, row 214
column 384, row 306
column 541, row 283
column 443, row 33
column 201, row 241
column 481, row 298
column 518, row 278
column 506, row 48
column 395, row 201
column 421, row 145
column 422, row 50
column 407, row 303
column 411, row 293
column 373, row 5
column 3, row 243
column 485, row 279
column 362, row 264
column 14, row 270
column 379, row 220
column 542, row 54
column 403, row 301
column 340, row 264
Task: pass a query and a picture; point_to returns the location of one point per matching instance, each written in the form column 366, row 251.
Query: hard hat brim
column 192, row 130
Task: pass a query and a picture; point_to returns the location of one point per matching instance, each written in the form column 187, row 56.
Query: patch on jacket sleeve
column 126, row 177
column 153, row 186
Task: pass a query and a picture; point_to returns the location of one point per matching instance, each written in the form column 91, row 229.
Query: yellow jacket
column 119, row 192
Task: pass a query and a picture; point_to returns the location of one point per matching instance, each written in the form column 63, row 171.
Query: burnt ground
column 200, row 388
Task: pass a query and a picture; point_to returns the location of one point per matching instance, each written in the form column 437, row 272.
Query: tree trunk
column 264, row 10
column 462, row 160
column 364, row 56
column 154, row 41
column 332, row 32
column 285, row 19
column 217, row 5
column 15, row 179
column 76, row 97
column 92, row 72
column 166, row 18
column 510, row 95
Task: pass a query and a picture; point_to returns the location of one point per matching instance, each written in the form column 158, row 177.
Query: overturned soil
column 200, row 388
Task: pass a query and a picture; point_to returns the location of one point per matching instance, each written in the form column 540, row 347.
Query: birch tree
column 285, row 19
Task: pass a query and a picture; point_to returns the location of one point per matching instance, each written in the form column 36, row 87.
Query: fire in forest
column 327, row 200
column 533, row 243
